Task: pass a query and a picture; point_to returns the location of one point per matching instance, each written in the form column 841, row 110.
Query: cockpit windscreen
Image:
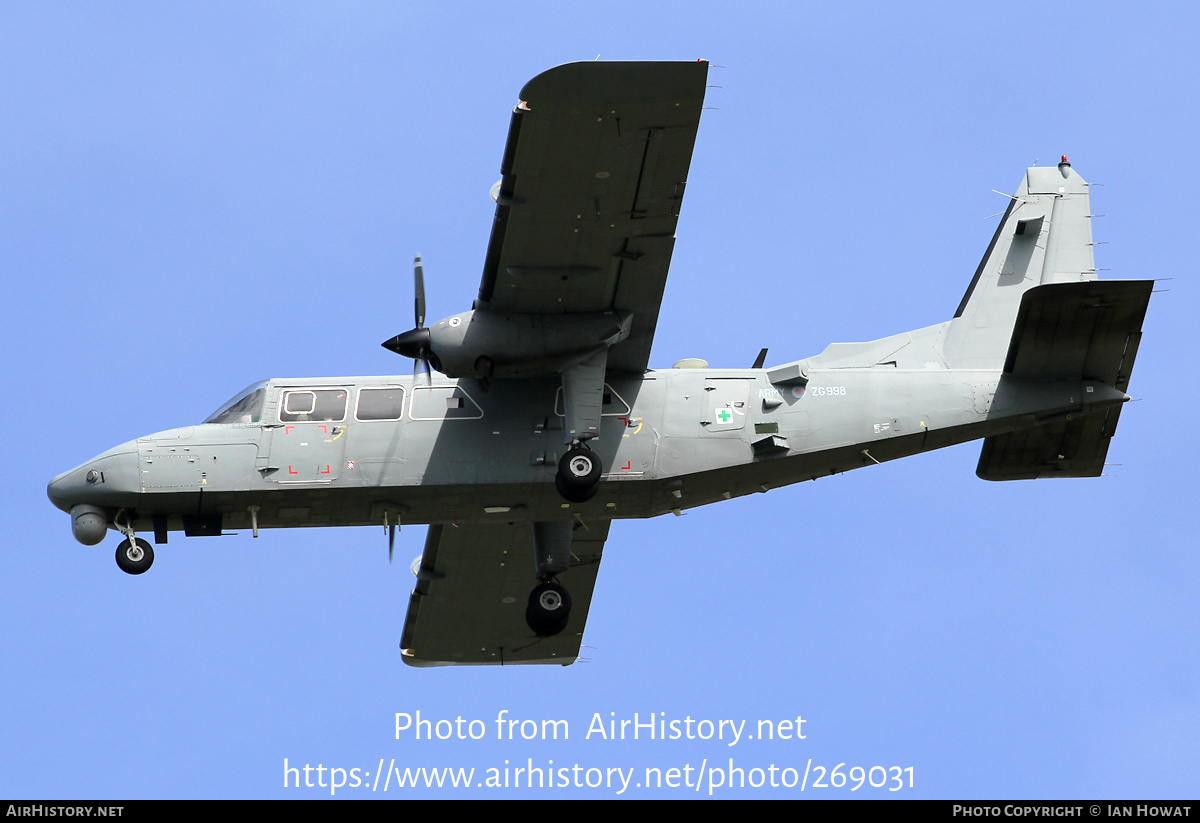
column 246, row 407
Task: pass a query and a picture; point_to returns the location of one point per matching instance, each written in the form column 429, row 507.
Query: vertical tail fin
column 1031, row 312
column 1044, row 237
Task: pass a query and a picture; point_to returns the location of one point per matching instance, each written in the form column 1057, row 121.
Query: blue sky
column 185, row 185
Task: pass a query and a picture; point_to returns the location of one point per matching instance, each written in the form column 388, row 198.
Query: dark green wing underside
column 593, row 178
column 469, row 602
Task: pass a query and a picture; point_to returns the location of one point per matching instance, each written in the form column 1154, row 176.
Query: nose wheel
column 549, row 609
column 578, row 476
column 134, row 556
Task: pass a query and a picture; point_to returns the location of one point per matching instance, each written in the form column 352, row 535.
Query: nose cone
column 409, row 344
column 57, row 490
column 111, row 479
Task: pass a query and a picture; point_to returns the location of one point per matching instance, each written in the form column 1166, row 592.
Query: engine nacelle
column 484, row 344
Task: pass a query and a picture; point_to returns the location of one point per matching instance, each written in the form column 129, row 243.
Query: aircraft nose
column 57, row 491
column 109, row 479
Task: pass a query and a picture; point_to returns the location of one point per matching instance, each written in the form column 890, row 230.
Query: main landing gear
column 578, row 475
column 549, row 609
column 549, row 606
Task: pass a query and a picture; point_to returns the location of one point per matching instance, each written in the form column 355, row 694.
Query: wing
column 468, row 607
column 593, row 177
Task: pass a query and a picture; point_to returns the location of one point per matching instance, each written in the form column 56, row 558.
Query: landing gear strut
column 578, row 475
column 549, row 609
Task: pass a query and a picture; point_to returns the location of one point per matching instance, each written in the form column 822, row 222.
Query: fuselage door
column 308, row 445
column 726, row 402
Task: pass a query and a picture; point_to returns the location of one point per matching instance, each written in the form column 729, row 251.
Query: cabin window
column 443, row 403
column 313, row 404
column 380, row 404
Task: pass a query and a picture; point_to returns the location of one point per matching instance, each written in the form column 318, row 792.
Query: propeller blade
column 391, row 541
column 421, row 358
column 415, row 342
column 419, row 289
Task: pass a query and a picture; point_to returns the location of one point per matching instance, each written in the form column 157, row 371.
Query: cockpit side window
column 326, row 405
column 246, row 407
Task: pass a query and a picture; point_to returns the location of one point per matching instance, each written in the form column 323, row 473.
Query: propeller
column 390, row 528
column 415, row 342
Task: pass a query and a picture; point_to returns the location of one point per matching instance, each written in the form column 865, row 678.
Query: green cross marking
column 724, row 415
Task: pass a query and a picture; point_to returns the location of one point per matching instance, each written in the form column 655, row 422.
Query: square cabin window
column 321, row 405
column 380, row 404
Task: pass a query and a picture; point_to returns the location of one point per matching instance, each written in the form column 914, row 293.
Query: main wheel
column 578, row 475
column 549, row 609
column 579, row 468
column 135, row 557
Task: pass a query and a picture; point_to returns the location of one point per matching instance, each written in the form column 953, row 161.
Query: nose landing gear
column 134, row 555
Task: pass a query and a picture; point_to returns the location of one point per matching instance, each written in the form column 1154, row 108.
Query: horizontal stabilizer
column 1069, row 331
column 1072, row 448
column 1079, row 331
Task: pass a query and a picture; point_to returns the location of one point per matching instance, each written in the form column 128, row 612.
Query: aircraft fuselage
column 670, row 440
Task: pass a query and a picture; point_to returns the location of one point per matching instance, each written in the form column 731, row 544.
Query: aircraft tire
column 136, row 558
column 580, row 467
column 549, row 609
column 574, row 494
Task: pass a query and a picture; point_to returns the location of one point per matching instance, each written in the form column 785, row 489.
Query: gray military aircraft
column 548, row 424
